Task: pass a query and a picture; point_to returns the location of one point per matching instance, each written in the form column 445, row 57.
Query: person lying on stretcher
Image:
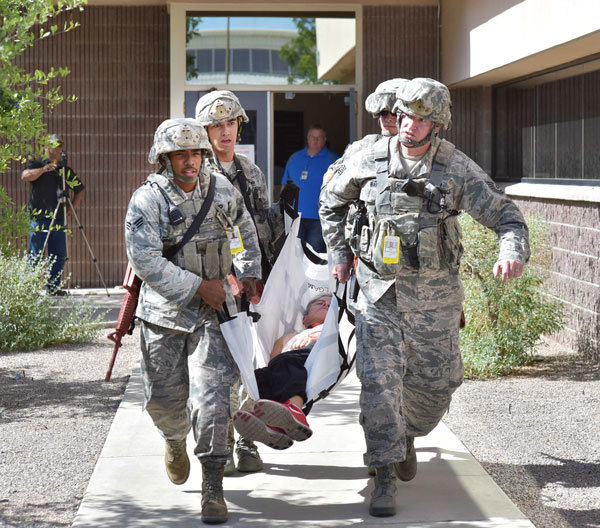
column 277, row 419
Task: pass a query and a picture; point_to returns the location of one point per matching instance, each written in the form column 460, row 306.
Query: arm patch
column 135, row 225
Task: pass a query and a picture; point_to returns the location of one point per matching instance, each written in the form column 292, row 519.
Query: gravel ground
column 537, row 433
column 55, row 413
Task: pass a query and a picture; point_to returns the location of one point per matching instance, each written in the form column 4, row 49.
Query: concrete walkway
column 320, row 483
column 106, row 305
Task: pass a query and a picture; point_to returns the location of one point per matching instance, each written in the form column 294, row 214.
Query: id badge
column 304, row 175
column 235, row 240
column 391, row 249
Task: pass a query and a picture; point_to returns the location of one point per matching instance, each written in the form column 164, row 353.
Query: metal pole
column 227, row 53
column 94, row 259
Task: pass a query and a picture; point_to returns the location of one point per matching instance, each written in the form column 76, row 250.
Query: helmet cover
column 384, row 96
column 178, row 134
column 218, row 106
column 425, row 98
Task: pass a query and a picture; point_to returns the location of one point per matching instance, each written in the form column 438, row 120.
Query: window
column 278, row 65
column 270, row 50
column 261, row 61
column 240, row 60
column 548, row 128
column 204, row 60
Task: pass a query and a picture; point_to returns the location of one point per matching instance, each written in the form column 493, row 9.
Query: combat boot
column 249, row 460
column 407, row 469
column 383, row 498
column 230, row 465
column 177, row 461
column 214, row 509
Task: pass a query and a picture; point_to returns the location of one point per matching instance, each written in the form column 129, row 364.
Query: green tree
column 191, row 30
column 24, row 96
column 14, row 225
column 504, row 320
column 300, row 53
column 29, row 318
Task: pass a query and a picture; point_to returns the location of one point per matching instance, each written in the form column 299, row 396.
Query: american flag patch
column 135, row 225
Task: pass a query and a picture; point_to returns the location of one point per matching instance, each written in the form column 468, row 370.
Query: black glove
column 289, row 193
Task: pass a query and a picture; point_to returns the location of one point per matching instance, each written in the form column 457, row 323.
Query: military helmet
column 384, row 96
column 178, row 134
column 218, row 106
column 425, row 98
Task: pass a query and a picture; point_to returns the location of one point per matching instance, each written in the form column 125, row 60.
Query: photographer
column 51, row 181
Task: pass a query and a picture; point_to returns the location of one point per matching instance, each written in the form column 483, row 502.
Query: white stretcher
column 298, row 276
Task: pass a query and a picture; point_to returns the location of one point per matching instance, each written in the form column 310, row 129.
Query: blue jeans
column 57, row 246
column 310, row 231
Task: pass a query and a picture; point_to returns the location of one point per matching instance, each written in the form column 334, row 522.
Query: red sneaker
column 252, row 428
column 285, row 416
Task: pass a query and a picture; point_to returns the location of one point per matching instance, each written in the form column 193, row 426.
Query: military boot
column 407, row 469
column 249, row 460
column 177, row 461
column 214, row 509
column 230, row 465
column 383, row 498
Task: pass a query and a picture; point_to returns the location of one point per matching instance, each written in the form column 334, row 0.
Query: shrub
column 14, row 225
column 29, row 318
column 504, row 320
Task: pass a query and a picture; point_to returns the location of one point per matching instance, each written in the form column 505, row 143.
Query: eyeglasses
column 317, row 137
column 384, row 113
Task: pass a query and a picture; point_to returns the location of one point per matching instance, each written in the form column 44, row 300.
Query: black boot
column 383, row 498
column 407, row 469
column 214, row 509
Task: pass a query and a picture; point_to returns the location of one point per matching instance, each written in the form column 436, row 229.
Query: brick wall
column 398, row 41
column 119, row 62
column 575, row 278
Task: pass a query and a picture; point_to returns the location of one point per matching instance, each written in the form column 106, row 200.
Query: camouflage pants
column 187, row 380
column 409, row 365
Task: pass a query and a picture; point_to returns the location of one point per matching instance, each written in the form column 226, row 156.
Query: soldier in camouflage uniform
column 186, row 366
column 408, row 245
column 221, row 113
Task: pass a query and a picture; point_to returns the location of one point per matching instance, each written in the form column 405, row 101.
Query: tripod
column 65, row 200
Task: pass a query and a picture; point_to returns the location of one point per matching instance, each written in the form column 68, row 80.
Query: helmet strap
column 239, row 130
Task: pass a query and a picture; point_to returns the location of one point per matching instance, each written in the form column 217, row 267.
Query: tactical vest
column 207, row 256
column 429, row 233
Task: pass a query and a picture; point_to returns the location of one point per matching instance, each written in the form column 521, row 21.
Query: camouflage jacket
column 433, row 237
column 339, row 165
column 168, row 297
column 268, row 218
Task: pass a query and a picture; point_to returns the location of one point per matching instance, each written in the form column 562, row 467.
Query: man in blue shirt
column 306, row 168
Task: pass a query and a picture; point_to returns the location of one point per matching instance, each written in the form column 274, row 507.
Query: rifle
column 125, row 324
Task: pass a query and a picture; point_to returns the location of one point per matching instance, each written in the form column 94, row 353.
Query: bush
column 504, row 320
column 14, row 225
column 29, row 318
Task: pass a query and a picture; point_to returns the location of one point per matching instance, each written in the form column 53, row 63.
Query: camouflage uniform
column 268, row 218
column 223, row 105
column 186, row 366
column 408, row 359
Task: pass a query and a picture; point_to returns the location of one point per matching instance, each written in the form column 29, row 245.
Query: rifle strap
column 170, row 253
column 241, row 178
